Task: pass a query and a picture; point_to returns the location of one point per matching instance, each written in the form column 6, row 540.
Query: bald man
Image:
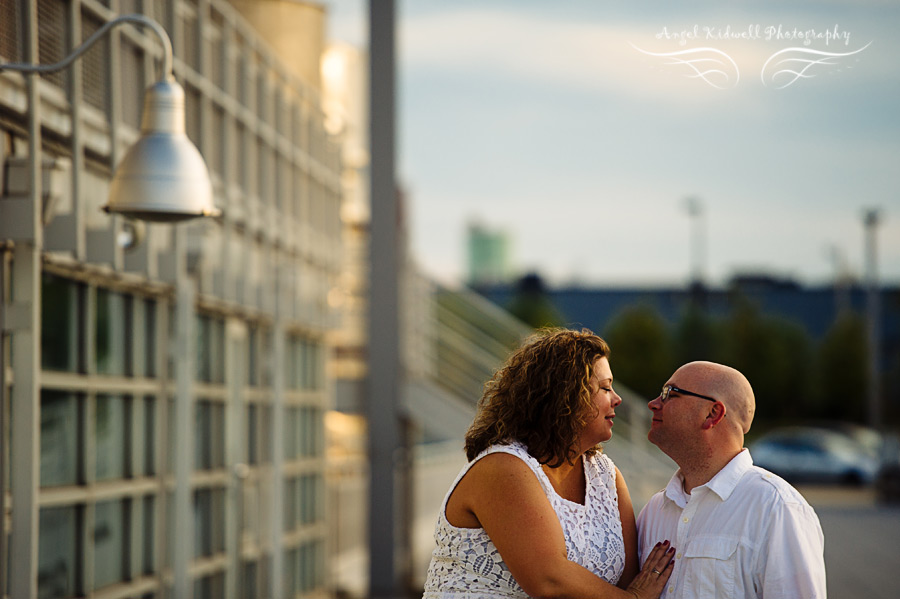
column 738, row 530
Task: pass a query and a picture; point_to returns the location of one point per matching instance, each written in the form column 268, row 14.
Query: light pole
column 382, row 395
column 696, row 289
column 871, row 219
column 694, row 207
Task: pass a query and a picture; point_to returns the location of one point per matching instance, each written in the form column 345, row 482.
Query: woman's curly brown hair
column 541, row 397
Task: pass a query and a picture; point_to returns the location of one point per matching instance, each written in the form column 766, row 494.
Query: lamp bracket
column 167, row 63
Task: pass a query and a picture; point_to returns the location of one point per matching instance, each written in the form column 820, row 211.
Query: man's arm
column 792, row 561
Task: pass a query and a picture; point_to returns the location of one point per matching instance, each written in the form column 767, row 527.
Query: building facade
column 164, row 387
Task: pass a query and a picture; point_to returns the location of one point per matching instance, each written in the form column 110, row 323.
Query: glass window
column 149, row 436
column 291, row 499
column 301, row 502
column 312, row 365
column 309, row 498
column 294, row 375
column 217, row 351
column 171, row 436
column 253, row 357
column 110, row 332
column 109, row 547
column 210, row 349
column 266, row 446
column 203, row 325
column 58, row 557
column 210, row 587
column 109, row 429
column 252, row 435
column 303, row 432
column 150, row 338
column 308, row 431
column 209, row 438
column 249, row 581
column 209, row 515
column 173, row 335
column 59, row 439
column 148, row 545
column 60, row 318
column 291, row 433
column 266, row 359
column 292, row 574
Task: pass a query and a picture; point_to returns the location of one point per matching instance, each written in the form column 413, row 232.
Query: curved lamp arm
column 133, row 18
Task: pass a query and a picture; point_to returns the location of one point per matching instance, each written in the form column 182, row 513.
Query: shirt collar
column 722, row 484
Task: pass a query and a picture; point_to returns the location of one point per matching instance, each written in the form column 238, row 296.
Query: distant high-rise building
column 488, row 255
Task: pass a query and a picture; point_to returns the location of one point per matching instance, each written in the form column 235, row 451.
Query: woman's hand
column 652, row 579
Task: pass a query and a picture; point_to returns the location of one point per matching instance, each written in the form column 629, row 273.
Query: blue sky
column 551, row 121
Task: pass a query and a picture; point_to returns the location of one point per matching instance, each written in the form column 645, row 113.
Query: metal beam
column 26, row 350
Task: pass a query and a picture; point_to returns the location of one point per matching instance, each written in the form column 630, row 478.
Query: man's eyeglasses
column 669, row 389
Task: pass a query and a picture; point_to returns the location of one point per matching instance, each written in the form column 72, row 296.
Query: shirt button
column 678, row 556
column 685, row 519
column 671, row 589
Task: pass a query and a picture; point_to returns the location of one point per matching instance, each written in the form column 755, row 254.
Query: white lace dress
column 466, row 565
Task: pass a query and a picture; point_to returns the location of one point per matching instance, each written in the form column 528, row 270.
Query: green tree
column 641, row 349
column 531, row 304
column 842, row 369
column 696, row 336
column 775, row 355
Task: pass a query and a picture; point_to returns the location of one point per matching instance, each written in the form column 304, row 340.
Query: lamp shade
column 162, row 177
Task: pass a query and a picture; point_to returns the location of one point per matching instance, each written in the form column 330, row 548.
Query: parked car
column 810, row 454
column 887, row 484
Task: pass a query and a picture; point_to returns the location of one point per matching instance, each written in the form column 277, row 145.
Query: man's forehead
column 690, row 374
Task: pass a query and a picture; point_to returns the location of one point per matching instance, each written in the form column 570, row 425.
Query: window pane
column 290, row 504
column 266, row 434
column 59, row 330
column 203, row 324
column 110, row 436
column 266, row 359
column 210, row 349
column 59, row 439
column 210, row 587
column 110, row 332
column 109, row 550
column 170, row 436
column 292, row 574
column 253, row 357
column 291, row 433
column 149, row 436
column 150, row 338
column 148, row 545
column 249, row 581
column 209, row 438
column 203, row 436
column 252, row 436
column 217, row 351
column 209, row 529
column 57, row 555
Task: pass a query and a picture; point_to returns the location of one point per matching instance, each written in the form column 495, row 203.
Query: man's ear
column 715, row 415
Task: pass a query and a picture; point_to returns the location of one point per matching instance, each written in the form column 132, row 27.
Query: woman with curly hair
column 539, row 511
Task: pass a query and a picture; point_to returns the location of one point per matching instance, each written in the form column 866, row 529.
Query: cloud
column 554, row 48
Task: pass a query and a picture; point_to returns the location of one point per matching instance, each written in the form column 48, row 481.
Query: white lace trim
column 465, row 563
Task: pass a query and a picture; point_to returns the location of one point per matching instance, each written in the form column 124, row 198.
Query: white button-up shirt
column 745, row 533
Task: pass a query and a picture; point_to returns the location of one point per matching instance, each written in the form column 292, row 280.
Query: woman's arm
column 629, row 531
column 502, row 494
